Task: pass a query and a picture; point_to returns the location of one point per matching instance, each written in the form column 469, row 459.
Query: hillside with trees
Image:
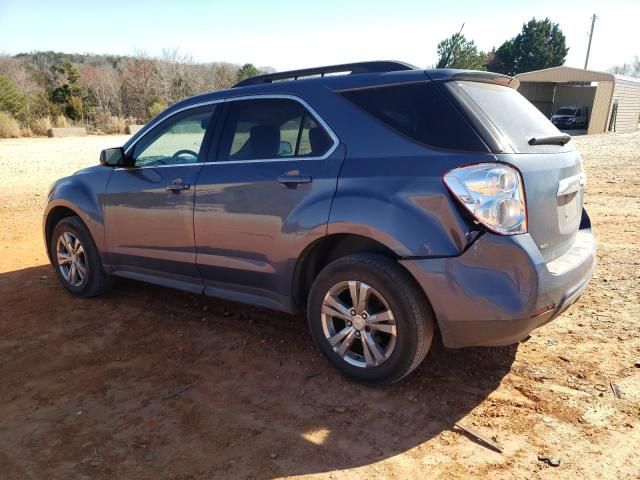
column 101, row 92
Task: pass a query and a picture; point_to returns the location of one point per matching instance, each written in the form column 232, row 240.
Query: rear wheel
column 76, row 259
column 369, row 318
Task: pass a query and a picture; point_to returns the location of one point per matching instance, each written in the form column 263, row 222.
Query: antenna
column 445, row 62
column 593, row 22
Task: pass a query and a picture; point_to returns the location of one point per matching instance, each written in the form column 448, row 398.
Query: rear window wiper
column 550, row 140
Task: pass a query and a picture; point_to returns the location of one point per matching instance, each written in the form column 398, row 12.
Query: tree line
column 102, row 92
column 39, row 90
column 540, row 44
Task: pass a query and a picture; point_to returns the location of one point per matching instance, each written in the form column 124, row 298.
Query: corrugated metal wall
column 540, row 94
column 601, row 108
column 627, row 93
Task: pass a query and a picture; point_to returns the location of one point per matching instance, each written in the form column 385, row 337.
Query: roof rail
column 361, row 67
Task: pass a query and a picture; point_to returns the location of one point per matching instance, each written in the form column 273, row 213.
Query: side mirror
column 112, row 157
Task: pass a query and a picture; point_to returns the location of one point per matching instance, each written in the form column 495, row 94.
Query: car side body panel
column 250, row 229
column 402, row 203
column 82, row 193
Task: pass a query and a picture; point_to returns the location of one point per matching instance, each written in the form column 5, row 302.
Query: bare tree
column 629, row 69
column 178, row 75
column 140, row 85
column 224, row 75
column 104, row 84
column 17, row 71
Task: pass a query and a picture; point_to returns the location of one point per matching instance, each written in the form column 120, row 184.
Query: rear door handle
column 177, row 185
column 287, row 179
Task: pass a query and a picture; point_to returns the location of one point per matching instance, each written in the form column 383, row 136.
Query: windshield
column 566, row 111
column 513, row 115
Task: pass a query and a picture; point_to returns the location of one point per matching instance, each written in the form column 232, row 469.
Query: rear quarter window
column 421, row 112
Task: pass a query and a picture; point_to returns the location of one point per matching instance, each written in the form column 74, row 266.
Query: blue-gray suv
column 387, row 202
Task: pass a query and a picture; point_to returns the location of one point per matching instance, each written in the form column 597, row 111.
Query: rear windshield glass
column 420, row 112
column 517, row 119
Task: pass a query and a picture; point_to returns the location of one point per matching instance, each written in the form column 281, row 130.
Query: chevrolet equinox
column 385, row 201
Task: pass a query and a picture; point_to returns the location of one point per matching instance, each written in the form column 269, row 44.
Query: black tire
column 412, row 314
column 96, row 281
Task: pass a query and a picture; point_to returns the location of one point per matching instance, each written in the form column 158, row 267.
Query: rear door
column 264, row 195
column 552, row 173
column 149, row 207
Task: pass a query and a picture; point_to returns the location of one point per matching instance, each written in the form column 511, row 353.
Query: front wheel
column 76, row 259
column 368, row 317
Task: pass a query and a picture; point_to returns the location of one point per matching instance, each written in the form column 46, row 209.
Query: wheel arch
column 52, row 218
column 323, row 251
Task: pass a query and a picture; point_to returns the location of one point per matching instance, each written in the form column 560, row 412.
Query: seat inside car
column 263, row 142
column 319, row 141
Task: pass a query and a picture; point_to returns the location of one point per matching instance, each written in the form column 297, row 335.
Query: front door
column 149, row 207
column 266, row 194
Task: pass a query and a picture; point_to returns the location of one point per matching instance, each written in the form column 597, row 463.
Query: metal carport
column 613, row 100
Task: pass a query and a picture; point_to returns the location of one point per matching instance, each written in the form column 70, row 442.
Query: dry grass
column 40, row 126
column 9, row 126
column 63, row 122
column 111, row 124
column 26, row 132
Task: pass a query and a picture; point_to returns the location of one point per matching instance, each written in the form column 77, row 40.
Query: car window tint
column 517, row 119
column 420, row 112
column 266, row 129
column 174, row 142
column 314, row 140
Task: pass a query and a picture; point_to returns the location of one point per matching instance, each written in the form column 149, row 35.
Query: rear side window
column 420, row 112
column 273, row 128
column 517, row 119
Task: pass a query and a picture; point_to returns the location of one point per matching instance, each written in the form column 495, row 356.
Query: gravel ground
column 146, row 382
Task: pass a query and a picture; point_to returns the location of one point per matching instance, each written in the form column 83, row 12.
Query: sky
column 286, row 34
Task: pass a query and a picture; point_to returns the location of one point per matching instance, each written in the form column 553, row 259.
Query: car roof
column 263, row 84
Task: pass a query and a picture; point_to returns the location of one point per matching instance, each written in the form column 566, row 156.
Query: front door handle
column 177, row 186
column 289, row 179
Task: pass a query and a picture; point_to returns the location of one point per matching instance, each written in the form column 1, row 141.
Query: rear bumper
column 496, row 292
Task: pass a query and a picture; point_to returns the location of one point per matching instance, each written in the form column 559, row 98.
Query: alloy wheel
column 358, row 324
column 72, row 259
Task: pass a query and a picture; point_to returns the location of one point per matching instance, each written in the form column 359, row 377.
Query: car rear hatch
column 520, row 135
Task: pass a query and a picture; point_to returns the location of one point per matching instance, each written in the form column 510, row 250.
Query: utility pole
column 593, row 22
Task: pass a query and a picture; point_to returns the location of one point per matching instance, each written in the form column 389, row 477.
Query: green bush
column 156, row 108
column 11, row 100
column 9, row 126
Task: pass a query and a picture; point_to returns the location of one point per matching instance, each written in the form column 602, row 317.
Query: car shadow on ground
column 149, row 382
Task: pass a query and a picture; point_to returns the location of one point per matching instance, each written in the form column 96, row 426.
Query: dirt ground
column 146, row 382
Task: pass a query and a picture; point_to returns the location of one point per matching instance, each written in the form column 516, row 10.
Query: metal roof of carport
column 565, row 74
column 570, row 74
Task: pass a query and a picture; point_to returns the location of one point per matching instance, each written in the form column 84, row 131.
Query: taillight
column 493, row 194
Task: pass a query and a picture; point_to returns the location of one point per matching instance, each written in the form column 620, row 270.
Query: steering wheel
column 185, row 151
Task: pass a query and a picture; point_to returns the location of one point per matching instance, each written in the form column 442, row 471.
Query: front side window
column 177, row 141
column 271, row 128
